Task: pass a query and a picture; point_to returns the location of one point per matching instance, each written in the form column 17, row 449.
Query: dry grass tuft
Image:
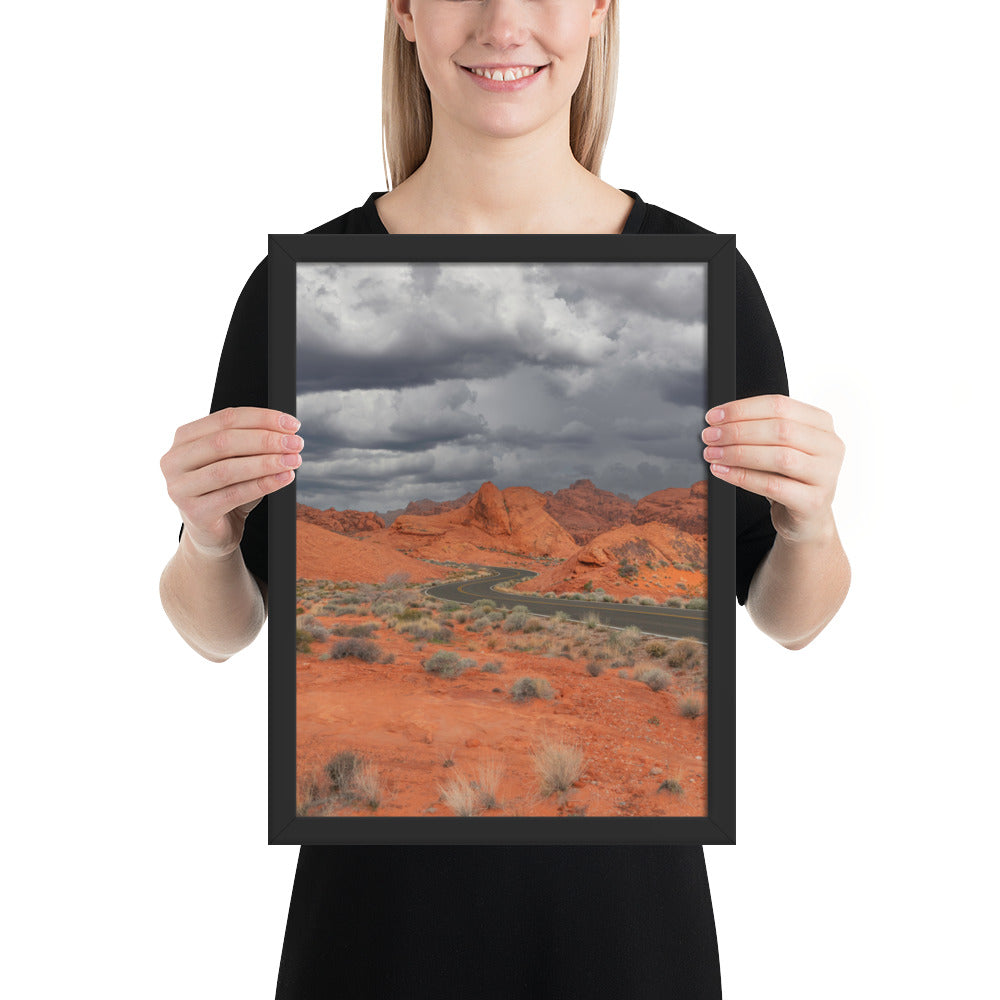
column 558, row 765
column 460, row 796
column 489, row 773
column 691, row 706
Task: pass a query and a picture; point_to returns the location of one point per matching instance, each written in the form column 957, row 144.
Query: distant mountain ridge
column 580, row 536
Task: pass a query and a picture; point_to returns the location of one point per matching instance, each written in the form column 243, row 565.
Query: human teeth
column 514, row 73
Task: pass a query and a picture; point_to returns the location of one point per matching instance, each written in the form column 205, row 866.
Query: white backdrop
column 152, row 148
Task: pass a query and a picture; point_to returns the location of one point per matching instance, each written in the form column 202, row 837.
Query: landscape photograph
column 501, row 540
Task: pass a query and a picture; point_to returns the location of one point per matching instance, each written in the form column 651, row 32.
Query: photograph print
column 501, row 541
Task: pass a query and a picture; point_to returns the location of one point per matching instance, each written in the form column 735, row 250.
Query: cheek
column 566, row 27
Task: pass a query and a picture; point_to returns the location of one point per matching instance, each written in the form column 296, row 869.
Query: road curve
column 672, row 623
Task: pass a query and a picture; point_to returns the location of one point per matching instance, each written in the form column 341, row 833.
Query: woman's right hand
column 220, row 467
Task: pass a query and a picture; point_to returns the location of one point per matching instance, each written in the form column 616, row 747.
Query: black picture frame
column 285, row 826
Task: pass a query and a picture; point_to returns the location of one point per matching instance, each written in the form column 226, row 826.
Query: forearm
column 214, row 603
column 799, row 587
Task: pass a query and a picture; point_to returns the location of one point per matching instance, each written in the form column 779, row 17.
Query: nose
column 503, row 24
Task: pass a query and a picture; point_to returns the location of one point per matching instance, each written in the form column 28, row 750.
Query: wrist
column 818, row 534
column 207, row 555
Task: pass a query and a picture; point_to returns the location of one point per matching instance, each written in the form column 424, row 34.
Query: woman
column 515, row 154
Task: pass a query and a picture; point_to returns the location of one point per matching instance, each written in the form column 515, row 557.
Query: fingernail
column 289, row 423
column 711, row 453
column 720, row 470
column 712, row 433
column 715, row 414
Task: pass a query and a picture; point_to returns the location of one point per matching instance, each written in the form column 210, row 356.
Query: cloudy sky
column 424, row 380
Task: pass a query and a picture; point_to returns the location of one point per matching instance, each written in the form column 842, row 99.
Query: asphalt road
column 672, row 623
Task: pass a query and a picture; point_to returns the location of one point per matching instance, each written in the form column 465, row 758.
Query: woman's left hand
column 783, row 450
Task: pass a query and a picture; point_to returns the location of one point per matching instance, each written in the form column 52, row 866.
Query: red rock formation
column 598, row 562
column 684, row 509
column 585, row 511
column 512, row 521
column 348, row 522
column 425, row 507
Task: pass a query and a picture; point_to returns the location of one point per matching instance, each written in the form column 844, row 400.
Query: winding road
column 672, row 623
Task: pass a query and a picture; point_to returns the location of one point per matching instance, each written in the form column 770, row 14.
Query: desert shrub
column 654, row 678
column 492, row 667
column 314, row 630
column 441, row 635
column 387, row 608
column 489, row 772
column 558, row 766
column 594, row 668
column 363, row 649
column 690, row 707
column 674, row 602
column 671, row 785
column 460, row 796
column 419, row 630
column 361, row 631
column 307, row 791
column 447, row 663
column 684, row 653
column 515, row 621
column 656, row 650
column 625, row 639
column 342, row 769
column 531, row 687
column 697, row 604
column 627, row 570
column 410, row 614
column 367, row 787
column 592, row 620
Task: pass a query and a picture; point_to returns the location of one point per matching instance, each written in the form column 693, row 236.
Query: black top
column 503, row 922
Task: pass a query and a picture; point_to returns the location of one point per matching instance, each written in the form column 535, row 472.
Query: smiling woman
column 468, row 153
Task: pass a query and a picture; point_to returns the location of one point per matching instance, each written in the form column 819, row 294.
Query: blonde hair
column 406, row 101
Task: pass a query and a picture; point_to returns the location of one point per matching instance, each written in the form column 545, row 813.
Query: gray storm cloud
column 424, row 379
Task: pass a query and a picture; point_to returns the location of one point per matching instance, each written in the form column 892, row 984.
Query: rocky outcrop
column 346, row 522
column 686, row 509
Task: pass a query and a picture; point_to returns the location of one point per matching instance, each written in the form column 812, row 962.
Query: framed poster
column 501, row 586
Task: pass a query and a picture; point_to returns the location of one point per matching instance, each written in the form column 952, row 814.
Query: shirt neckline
column 633, row 224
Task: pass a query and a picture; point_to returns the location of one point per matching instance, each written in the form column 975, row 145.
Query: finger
column 766, row 407
column 780, row 489
column 237, row 417
column 788, row 462
column 783, row 433
column 212, row 507
column 230, row 472
column 232, row 443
